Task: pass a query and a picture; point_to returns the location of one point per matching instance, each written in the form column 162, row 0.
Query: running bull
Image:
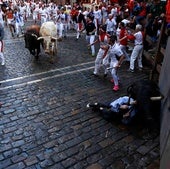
column 45, row 35
column 148, row 98
column 31, row 42
column 48, row 33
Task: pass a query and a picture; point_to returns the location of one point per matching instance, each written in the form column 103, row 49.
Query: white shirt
column 1, row 18
column 118, row 32
column 36, row 10
column 138, row 38
column 104, row 11
column 22, row 10
column 85, row 13
column 63, row 17
column 114, row 12
column 111, row 25
column 97, row 14
column 120, row 101
column 43, row 12
column 1, row 15
column 114, row 51
column 125, row 21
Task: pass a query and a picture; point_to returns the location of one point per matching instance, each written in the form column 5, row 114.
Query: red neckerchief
column 102, row 36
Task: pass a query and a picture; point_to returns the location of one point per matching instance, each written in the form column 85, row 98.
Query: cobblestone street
column 44, row 122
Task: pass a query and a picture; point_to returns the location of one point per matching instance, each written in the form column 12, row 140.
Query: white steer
column 48, row 32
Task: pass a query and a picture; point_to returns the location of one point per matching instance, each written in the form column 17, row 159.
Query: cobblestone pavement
column 44, row 122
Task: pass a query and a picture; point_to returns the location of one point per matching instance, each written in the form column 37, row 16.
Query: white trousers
column 114, row 73
column 123, row 48
column 43, row 19
column 1, row 53
column 90, row 40
column 106, row 63
column 62, row 29
column 19, row 27
column 98, row 61
column 136, row 54
column 65, row 28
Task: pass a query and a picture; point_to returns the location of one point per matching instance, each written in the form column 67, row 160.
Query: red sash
column 80, row 26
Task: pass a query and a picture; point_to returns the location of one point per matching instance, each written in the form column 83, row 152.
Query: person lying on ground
column 122, row 108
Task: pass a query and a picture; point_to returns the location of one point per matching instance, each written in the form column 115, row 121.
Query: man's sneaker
column 130, row 70
column 116, row 88
column 3, row 63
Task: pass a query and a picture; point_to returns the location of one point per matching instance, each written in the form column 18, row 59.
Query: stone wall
column 164, row 84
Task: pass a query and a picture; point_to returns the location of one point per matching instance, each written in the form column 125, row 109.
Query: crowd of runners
column 113, row 25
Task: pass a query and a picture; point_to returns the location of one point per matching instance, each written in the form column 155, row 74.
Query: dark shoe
column 131, row 70
column 140, row 68
column 94, row 74
column 92, row 105
column 105, row 75
column 95, row 106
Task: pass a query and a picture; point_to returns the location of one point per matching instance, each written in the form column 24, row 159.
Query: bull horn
column 54, row 38
column 34, row 35
column 156, row 98
column 40, row 38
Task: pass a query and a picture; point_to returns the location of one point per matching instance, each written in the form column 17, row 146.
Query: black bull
column 31, row 42
column 148, row 98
